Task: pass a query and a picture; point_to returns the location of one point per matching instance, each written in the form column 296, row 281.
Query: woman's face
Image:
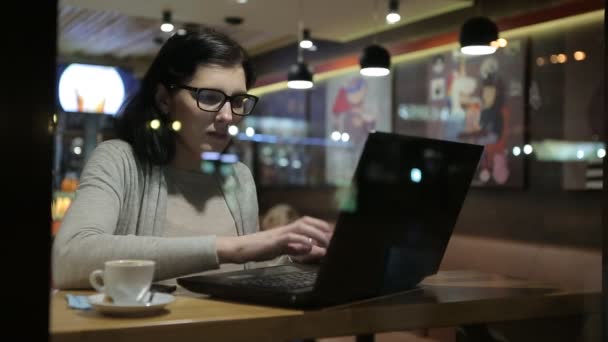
column 206, row 131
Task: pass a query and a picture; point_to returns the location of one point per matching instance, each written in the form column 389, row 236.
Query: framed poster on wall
column 354, row 105
column 476, row 99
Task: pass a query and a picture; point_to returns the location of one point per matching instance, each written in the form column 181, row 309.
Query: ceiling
column 127, row 28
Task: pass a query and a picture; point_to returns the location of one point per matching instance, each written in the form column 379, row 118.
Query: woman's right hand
column 296, row 238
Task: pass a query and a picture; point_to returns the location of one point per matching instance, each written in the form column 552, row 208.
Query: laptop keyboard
column 285, row 281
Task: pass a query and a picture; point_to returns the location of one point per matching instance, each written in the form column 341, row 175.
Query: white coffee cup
column 126, row 282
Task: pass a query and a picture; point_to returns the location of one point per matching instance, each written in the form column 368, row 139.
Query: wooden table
column 449, row 298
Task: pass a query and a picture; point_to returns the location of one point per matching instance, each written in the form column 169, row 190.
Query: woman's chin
column 211, row 147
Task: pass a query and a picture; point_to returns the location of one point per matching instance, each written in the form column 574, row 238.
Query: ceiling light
column 167, row 26
column 477, row 35
column 375, row 61
column 306, row 42
column 393, row 12
column 299, row 76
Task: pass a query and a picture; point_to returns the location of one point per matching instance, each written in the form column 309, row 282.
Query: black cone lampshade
column 299, row 76
column 477, row 36
column 375, row 61
column 306, row 42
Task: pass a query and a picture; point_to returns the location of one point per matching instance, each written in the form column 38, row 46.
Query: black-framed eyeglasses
column 212, row 100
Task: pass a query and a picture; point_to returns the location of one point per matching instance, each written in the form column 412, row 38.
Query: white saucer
column 158, row 303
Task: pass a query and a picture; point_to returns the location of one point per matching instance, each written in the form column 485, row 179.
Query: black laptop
column 391, row 232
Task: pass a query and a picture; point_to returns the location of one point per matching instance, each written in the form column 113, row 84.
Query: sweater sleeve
column 88, row 237
column 249, row 199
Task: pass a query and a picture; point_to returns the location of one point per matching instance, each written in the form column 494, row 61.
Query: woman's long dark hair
column 175, row 63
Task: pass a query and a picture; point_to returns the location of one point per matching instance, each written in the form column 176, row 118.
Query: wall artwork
column 354, row 106
column 477, row 100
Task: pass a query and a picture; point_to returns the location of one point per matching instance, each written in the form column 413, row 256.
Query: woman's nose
column 225, row 113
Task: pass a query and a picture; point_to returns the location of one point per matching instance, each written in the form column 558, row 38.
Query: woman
column 145, row 197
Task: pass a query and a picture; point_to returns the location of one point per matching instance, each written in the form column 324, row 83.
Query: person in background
column 146, row 196
column 279, row 215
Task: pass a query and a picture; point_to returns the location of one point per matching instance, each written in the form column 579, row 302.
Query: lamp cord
column 375, row 11
column 300, row 29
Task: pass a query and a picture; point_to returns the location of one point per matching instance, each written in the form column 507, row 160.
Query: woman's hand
column 305, row 239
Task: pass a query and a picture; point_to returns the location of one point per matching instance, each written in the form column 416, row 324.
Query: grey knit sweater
column 119, row 212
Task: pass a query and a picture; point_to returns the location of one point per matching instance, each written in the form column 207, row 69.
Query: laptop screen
column 404, row 201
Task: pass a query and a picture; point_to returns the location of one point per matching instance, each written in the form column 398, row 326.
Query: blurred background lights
column 580, row 55
column 233, row 130
column 155, row 124
column 540, row 61
column 335, row 136
column 416, row 175
column 250, row 132
column 516, row 151
column 207, row 167
column 580, row 154
column 528, row 149
column 229, row 158
column 210, row 156
column 553, row 59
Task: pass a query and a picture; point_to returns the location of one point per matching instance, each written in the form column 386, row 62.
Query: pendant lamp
column 478, row 36
column 375, row 61
column 299, row 76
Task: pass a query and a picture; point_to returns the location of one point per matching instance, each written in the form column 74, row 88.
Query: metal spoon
column 150, row 298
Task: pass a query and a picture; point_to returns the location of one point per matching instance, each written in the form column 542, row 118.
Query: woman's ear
column 162, row 98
